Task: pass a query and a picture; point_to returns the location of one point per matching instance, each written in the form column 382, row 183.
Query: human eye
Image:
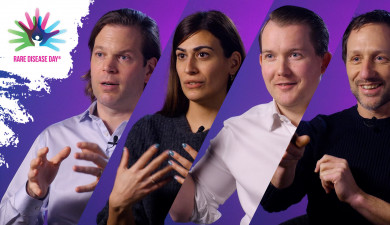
column 203, row 54
column 381, row 59
column 355, row 59
column 296, row 55
column 180, row 55
column 124, row 57
column 269, row 56
column 99, row 54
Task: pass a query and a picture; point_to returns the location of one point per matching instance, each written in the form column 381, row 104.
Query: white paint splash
column 2, row 161
column 20, row 79
column 14, row 112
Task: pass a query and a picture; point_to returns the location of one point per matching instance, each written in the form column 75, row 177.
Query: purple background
column 248, row 90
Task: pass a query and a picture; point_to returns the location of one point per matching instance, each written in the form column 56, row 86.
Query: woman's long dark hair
column 218, row 24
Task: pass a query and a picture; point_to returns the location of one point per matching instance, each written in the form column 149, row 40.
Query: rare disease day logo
column 36, row 34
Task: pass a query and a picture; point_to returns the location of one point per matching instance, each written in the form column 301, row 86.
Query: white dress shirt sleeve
column 63, row 205
column 17, row 207
column 214, row 183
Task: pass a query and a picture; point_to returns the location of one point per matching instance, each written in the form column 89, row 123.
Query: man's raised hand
column 90, row 152
column 42, row 171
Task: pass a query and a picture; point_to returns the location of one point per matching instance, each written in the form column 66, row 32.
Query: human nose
column 110, row 65
column 191, row 67
column 367, row 70
column 283, row 68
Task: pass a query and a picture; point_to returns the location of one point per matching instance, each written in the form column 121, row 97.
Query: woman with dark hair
column 206, row 55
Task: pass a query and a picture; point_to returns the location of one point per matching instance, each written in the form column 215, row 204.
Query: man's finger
column 145, row 158
column 95, row 171
column 327, row 186
column 193, row 153
column 302, row 141
column 87, row 188
column 93, row 157
column 294, row 151
column 35, row 163
column 325, row 159
column 32, row 173
column 63, row 154
column 91, row 147
column 124, row 160
column 331, row 167
column 42, row 152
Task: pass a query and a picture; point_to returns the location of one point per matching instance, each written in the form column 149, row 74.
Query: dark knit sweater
column 170, row 133
column 364, row 143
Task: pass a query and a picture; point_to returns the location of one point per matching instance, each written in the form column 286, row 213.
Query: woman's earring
column 232, row 78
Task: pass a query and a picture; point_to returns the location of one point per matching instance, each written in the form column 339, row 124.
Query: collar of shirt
column 278, row 119
column 88, row 115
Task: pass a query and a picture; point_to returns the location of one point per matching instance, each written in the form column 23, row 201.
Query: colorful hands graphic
column 36, row 33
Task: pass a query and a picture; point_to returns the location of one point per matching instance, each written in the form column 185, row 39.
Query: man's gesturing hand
column 294, row 151
column 42, row 171
column 285, row 173
column 90, row 152
column 335, row 174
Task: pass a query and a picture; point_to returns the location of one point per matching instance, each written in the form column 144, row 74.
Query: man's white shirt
column 243, row 156
column 62, row 204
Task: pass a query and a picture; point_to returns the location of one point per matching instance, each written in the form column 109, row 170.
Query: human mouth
column 371, row 90
column 286, row 85
column 108, row 83
column 370, row 83
column 193, row 84
column 109, row 86
column 370, row 87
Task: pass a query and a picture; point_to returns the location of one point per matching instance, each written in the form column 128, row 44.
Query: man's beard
column 372, row 106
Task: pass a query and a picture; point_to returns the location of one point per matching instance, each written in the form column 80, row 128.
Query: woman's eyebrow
column 196, row 48
column 203, row 46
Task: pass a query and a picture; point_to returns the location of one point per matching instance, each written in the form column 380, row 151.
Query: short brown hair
column 127, row 17
column 292, row 15
column 376, row 16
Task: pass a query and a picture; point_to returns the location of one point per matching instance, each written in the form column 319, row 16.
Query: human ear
column 325, row 62
column 235, row 62
column 260, row 59
column 150, row 65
